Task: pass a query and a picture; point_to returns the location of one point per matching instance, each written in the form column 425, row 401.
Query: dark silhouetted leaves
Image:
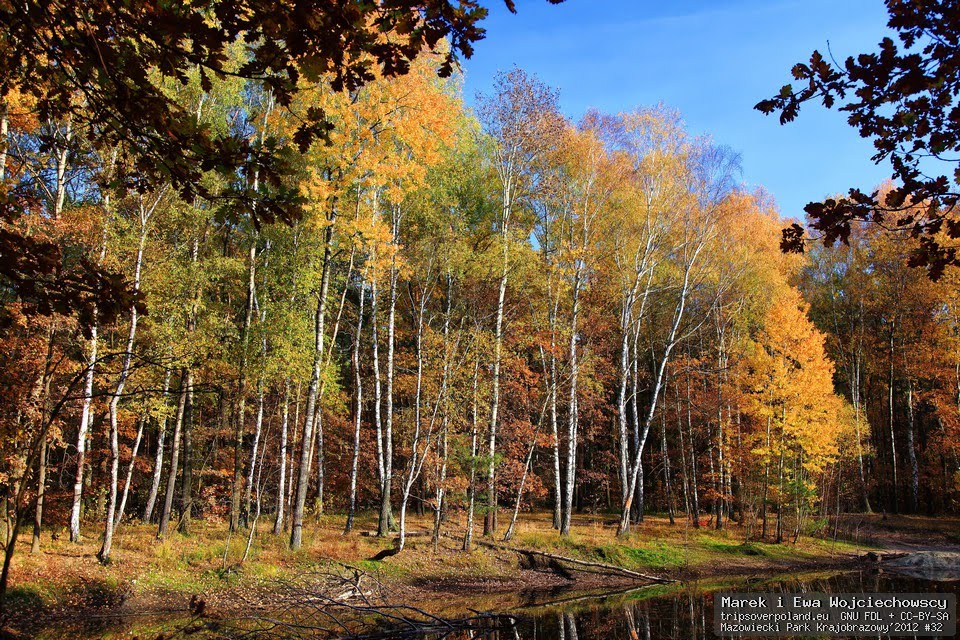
column 103, row 64
column 905, row 101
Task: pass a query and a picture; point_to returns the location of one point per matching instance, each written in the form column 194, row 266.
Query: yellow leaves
column 366, row 232
column 318, row 191
column 20, row 111
column 788, row 384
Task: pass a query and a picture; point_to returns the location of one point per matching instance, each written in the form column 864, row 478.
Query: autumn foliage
column 474, row 314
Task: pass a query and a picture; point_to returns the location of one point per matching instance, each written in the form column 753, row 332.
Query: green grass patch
column 656, row 554
column 736, row 548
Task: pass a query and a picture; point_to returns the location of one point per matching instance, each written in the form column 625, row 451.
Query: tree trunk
column 174, row 459
column 130, row 468
column 248, row 487
column 104, row 554
column 4, row 132
column 523, row 478
column 683, row 454
column 158, row 461
column 694, row 489
column 552, row 381
column 668, row 490
column 490, row 519
column 417, row 456
column 572, row 407
column 41, row 490
column 445, row 424
column 622, row 404
column 186, row 486
column 385, row 522
column 357, row 408
column 766, row 483
column 660, row 369
column 377, row 384
column 893, row 439
column 303, row 473
column 282, row 455
column 857, row 412
column 87, row 400
column 472, row 484
column 912, row 452
column 237, row 486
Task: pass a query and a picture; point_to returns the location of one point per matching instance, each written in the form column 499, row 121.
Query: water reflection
column 687, row 612
column 672, row 612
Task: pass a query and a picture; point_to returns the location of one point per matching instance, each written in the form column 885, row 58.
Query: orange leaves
column 386, row 134
column 788, row 383
column 20, row 111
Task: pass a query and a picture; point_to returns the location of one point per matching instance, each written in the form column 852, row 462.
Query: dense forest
column 482, row 310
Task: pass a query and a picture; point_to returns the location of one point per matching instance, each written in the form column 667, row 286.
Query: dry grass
column 144, row 568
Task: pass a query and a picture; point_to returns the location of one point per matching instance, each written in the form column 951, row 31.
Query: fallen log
column 607, row 568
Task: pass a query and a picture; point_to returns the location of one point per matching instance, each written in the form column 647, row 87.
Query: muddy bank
column 186, row 576
column 933, row 565
column 445, row 597
column 439, row 594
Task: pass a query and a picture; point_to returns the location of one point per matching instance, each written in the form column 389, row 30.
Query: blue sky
column 710, row 60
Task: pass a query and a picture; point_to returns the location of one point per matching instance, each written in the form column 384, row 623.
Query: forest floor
column 147, row 575
column 901, row 532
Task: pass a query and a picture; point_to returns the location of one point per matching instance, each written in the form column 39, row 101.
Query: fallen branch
column 593, row 597
column 608, row 568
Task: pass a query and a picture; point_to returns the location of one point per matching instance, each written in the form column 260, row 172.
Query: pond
column 682, row 611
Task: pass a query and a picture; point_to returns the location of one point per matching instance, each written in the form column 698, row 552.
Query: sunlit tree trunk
column 261, row 313
column 174, row 458
column 186, row 486
column 110, row 522
column 258, row 430
column 357, row 408
column 572, row 412
column 129, row 479
column 683, row 453
column 622, row 399
column 418, row 455
column 237, row 485
column 667, row 484
column 4, row 132
column 490, row 521
column 858, row 412
column 670, row 343
column 550, row 367
column 474, row 432
column 443, row 444
column 312, row 410
column 912, row 452
column 385, row 521
column 526, row 470
column 694, row 488
column 282, row 455
column 158, row 460
column 87, row 393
